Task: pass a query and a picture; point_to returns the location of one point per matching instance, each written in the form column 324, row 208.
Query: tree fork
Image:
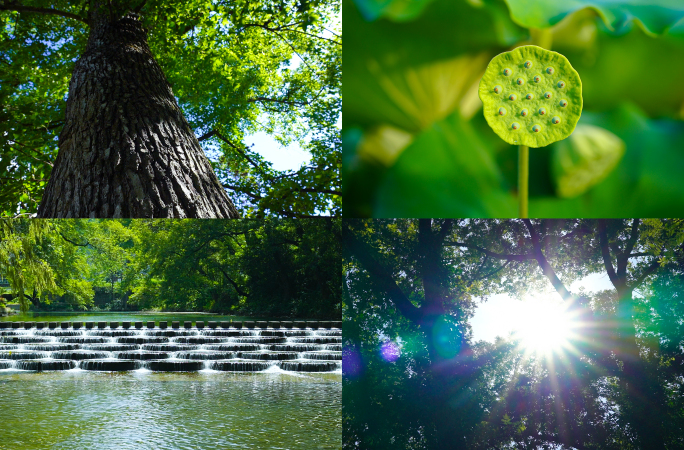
column 126, row 150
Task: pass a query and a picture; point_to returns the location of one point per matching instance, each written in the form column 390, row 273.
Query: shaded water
column 143, row 410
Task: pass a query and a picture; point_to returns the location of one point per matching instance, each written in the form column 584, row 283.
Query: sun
column 544, row 326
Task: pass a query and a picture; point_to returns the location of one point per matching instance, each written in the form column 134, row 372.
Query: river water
column 280, row 406
column 78, row 409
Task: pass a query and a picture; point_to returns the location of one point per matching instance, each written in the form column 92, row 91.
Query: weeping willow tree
column 20, row 262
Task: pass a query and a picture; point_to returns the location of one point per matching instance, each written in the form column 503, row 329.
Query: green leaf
column 446, row 172
column 398, row 10
column 646, row 181
column 653, row 16
column 585, row 159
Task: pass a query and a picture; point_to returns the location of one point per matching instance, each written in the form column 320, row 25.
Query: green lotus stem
column 523, row 177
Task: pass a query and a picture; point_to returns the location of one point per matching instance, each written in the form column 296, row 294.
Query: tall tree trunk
column 126, row 150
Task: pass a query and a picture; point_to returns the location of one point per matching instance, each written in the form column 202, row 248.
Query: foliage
column 236, row 68
column 20, row 262
column 270, row 267
column 618, row 387
column 419, row 79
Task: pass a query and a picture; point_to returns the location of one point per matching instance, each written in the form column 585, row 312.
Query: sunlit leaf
column 654, row 16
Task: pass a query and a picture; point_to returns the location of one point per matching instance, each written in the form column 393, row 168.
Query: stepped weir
column 300, row 346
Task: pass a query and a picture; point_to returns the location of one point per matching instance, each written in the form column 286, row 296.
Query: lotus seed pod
column 585, row 159
column 520, row 81
column 498, row 89
column 555, row 120
column 515, row 125
column 535, row 130
column 502, row 111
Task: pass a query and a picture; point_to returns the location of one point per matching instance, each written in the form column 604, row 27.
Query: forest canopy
column 235, row 68
column 414, row 377
column 270, row 267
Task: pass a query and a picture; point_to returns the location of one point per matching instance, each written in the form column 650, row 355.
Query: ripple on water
column 132, row 411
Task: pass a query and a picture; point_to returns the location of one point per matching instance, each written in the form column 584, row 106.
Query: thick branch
column 9, row 6
column 382, row 277
column 140, row 6
column 225, row 139
column 649, row 271
column 605, row 252
column 231, row 281
column 623, row 257
column 87, row 244
column 490, row 253
column 276, row 100
column 544, row 264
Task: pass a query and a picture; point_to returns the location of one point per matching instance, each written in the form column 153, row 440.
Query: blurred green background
column 417, row 145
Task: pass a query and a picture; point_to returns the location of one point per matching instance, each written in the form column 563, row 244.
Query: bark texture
column 126, row 150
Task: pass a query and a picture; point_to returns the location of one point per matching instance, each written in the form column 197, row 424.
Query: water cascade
column 171, row 347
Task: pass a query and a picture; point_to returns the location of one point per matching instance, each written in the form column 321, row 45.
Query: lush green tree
column 20, row 261
column 266, row 267
column 410, row 285
column 93, row 79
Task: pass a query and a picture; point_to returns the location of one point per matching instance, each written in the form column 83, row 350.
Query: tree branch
column 225, row 139
column 623, row 257
column 651, row 269
column 276, row 100
column 544, row 264
column 231, row 281
column 139, row 7
column 382, row 277
column 605, row 252
column 11, row 6
column 87, row 244
column 490, row 253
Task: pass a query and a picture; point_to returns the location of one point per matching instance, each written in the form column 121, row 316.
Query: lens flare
column 351, row 362
column 390, row 351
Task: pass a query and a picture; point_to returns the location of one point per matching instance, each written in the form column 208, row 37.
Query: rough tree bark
column 126, row 150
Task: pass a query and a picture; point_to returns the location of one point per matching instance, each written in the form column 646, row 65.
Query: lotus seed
column 515, row 87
